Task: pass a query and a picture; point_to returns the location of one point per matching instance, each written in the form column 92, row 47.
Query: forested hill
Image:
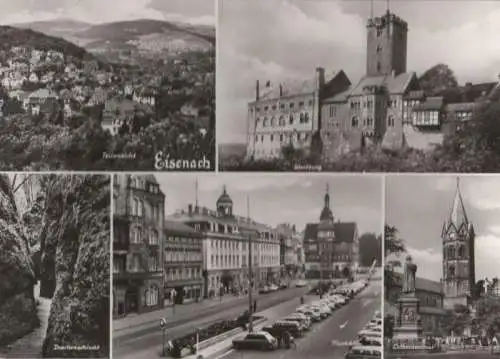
column 12, row 36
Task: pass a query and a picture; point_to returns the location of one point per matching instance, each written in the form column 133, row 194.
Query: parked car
column 264, row 289
column 370, row 332
column 364, row 352
column 273, row 288
column 375, row 341
column 301, row 283
column 304, row 318
column 302, row 322
column 314, row 316
column 282, row 326
column 259, row 341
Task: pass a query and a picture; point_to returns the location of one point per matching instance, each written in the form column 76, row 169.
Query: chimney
column 190, row 209
column 257, row 91
column 320, row 78
column 281, row 90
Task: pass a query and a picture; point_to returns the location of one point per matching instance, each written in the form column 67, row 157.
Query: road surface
column 146, row 337
column 320, row 342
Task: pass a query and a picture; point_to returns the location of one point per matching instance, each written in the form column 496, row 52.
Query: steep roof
column 430, row 103
column 458, row 216
column 292, row 87
column 463, row 106
column 421, row 284
column 395, row 84
column 341, row 96
column 179, row 227
column 344, row 231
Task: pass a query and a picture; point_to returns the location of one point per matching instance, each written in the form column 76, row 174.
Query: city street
column 128, row 343
column 343, row 326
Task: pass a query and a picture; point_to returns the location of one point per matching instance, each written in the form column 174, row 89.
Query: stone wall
column 75, row 261
column 17, row 277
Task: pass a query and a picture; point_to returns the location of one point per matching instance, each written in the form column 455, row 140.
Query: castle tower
column 326, row 213
column 224, row 204
column 386, row 45
column 458, row 255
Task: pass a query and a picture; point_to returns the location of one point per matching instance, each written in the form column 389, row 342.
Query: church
column 331, row 247
column 458, row 271
column 384, row 108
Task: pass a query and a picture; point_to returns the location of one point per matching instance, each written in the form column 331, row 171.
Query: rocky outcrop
column 18, row 313
column 75, row 242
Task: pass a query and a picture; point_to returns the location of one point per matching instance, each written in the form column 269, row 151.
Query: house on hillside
column 42, row 101
column 117, row 113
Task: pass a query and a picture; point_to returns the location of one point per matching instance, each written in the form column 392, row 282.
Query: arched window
column 257, row 122
column 265, row 123
column 135, row 207
column 390, row 121
column 451, row 270
column 306, row 117
column 461, row 252
column 273, row 121
column 282, row 121
column 138, row 235
column 154, row 237
column 301, row 120
column 290, row 119
column 354, row 121
column 151, row 295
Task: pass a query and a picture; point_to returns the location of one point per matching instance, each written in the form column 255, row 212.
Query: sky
column 274, row 199
column 196, row 12
column 282, row 39
column 419, row 205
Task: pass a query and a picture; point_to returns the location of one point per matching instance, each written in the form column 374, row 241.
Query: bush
column 189, row 341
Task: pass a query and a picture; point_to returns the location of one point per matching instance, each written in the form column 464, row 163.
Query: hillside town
column 40, row 83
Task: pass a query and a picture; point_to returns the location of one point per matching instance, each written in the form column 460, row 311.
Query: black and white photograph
column 358, row 86
column 54, row 266
column 247, row 266
column 441, row 277
column 117, row 85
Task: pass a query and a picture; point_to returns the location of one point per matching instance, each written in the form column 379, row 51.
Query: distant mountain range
column 139, row 34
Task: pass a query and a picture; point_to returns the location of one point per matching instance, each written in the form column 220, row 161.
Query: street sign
column 163, row 322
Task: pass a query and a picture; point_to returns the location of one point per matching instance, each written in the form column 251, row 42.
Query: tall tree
column 394, row 247
column 370, row 249
column 437, row 79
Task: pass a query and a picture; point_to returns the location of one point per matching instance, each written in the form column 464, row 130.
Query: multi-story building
column 226, row 239
column 288, row 254
column 183, row 262
column 336, row 117
column 331, row 247
column 137, row 244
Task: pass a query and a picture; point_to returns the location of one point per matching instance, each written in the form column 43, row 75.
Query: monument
column 408, row 327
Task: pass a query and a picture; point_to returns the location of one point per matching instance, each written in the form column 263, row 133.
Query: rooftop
column 430, row 103
column 344, row 231
column 397, row 84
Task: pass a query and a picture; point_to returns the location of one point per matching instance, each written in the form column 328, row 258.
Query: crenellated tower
column 458, row 254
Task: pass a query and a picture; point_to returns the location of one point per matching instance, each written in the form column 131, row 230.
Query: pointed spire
column 458, row 216
column 327, row 196
column 371, row 9
column 388, row 6
column 224, row 189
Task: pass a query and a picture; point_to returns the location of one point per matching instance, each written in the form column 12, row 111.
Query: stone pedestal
column 408, row 327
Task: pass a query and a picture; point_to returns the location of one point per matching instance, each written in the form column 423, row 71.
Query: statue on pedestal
column 410, row 270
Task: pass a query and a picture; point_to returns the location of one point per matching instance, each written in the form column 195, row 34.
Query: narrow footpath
column 30, row 346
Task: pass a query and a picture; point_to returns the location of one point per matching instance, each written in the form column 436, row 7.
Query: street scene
column 191, row 281
column 442, row 297
column 55, row 266
column 358, row 86
column 93, row 85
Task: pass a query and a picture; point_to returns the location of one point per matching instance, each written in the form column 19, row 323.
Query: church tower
column 326, row 213
column 386, row 45
column 458, row 254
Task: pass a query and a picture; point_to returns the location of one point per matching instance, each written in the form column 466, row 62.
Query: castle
column 385, row 108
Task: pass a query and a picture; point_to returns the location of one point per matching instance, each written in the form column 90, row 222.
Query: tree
column 370, row 249
column 394, row 247
column 455, row 321
column 488, row 315
column 437, row 79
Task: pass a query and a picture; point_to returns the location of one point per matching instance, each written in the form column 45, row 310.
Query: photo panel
column 108, row 86
column 442, row 290
column 357, row 86
column 54, row 266
column 227, row 265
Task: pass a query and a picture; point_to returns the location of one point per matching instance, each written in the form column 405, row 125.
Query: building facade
column 226, row 241
column 183, row 262
column 331, row 247
column 377, row 110
column 458, row 255
column 137, row 244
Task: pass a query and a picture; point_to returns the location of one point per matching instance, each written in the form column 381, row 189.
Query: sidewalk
column 180, row 311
